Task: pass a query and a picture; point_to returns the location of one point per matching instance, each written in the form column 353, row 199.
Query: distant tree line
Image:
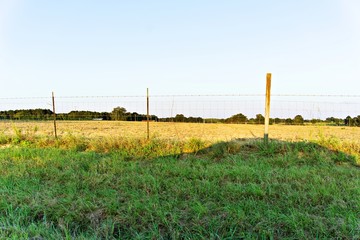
column 297, row 120
column 83, row 115
column 121, row 114
column 29, row 114
column 117, row 114
column 182, row 118
column 260, row 119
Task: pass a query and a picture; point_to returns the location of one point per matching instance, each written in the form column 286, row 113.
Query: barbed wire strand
column 191, row 95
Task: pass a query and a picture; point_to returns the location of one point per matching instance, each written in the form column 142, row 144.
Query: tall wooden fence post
column 147, row 114
column 267, row 107
column 54, row 114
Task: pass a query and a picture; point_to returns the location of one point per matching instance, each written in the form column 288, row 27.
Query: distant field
column 183, row 131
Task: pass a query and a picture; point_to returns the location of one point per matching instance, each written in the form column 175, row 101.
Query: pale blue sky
column 83, row 47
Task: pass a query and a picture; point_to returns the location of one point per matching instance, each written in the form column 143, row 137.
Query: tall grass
column 138, row 147
column 143, row 147
column 78, row 188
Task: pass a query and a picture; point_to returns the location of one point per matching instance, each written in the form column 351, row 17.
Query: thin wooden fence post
column 54, row 114
column 147, row 114
column 267, row 107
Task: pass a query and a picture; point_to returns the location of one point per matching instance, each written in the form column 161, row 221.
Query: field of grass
column 104, row 136
column 211, row 132
column 104, row 180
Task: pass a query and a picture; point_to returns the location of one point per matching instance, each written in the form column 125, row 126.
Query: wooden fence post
column 54, row 114
column 267, row 107
column 147, row 114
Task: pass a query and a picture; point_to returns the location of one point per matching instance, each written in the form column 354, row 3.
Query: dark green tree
column 277, row 120
column 298, row 120
column 357, row 121
column 238, row 118
column 314, row 120
column 334, row 121
column 349, row 121
column 119, row 114
column 180, row 118
column 260, row 119
column 288, row 121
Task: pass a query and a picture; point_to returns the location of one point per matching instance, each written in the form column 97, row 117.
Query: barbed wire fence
column 201, row 108
column 205, row 106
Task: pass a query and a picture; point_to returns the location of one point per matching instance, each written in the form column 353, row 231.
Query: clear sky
column 113, row 47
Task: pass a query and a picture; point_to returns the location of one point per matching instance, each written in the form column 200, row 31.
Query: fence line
column 205, row 106
column 199, row 108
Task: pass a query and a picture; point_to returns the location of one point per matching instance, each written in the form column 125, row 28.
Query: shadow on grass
column 301, row 152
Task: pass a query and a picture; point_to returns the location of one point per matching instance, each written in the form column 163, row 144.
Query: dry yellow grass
column 181, row 131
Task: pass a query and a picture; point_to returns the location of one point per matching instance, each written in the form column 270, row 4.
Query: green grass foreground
column 233, row 190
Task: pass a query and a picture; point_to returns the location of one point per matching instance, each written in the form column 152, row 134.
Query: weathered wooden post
column 267, row 107
column 54, row 114
column 147, row 114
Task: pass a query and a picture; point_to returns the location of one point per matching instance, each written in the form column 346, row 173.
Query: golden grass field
column 183, row 131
